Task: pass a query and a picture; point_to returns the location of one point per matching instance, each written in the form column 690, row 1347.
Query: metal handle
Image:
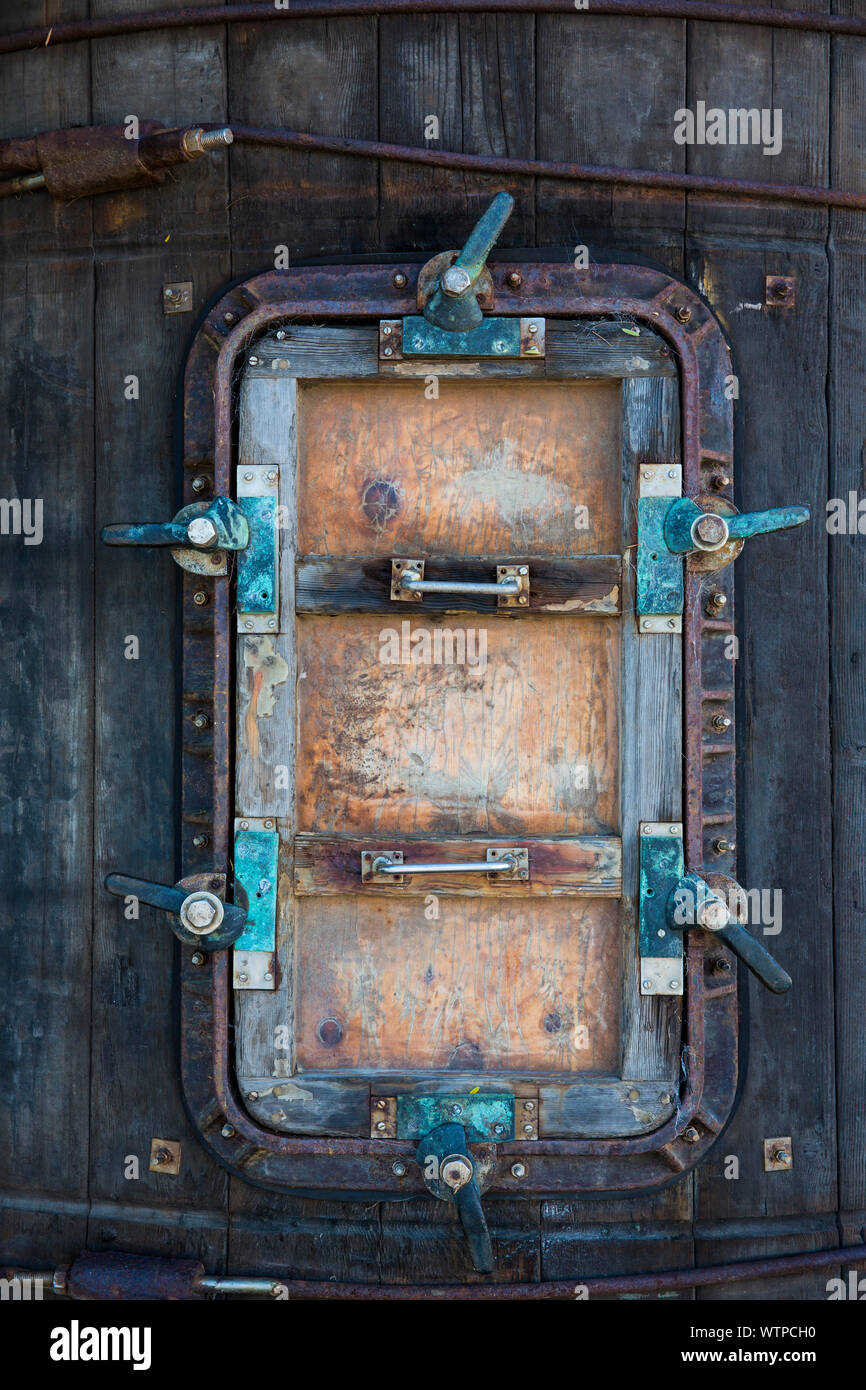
column 390, row 864
column 409, row 585
column 412, row 580
column 384, row 865
column 453, row 305
column 688, row 527
column 448, row 1170
column 221, row 525
column 712, row 913
column 199, row 917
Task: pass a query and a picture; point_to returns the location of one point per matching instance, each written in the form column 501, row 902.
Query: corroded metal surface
column 354, row 1167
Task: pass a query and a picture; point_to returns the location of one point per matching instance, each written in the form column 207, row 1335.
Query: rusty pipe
column 112, row 1275
column 110, row 26
column 540, row 168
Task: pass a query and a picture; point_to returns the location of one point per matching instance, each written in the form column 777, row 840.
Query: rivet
column 673, row 829
column 201, row 840
column 518, row 1170
column 645, row 624
column 200, row 720
column 272, row 622
column 398, row 1168
column 455, row 1109
column 672, row 622
column 647, row 473
column 524, row 569
column 659, row 932
column 271, row 475
column 269, row 825
column 633, row 1094
column 216, row 559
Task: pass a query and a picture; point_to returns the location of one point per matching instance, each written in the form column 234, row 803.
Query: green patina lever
column 449, row 1173
column 453, row 305
column 218, row 525
column 198, row 916
column 688, row 527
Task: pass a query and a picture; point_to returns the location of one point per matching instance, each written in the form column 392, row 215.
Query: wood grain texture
column 501, row 990
column 488, row 469
column 527, row 744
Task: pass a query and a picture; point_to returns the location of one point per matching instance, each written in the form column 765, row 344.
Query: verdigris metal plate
column 483, row 1116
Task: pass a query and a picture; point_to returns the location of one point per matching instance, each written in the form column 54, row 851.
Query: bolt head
column 201, row 912
column 455, row 281
column 691, row 1135
column 398, row 1168
column 227, row 1131
column 197, row 957
column 518, row 1170
column 523, row 599
column 709, row 532
column 499, row 1129
column 200, row 483
column 200, row 598
column 399, row 280
column 514, row 279
column 713, row 914
column 201, row 531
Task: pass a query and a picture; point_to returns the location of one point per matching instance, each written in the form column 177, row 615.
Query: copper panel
column 489, row 468
column 486, row 985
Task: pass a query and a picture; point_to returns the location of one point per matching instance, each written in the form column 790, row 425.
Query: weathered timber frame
column 359, row 1166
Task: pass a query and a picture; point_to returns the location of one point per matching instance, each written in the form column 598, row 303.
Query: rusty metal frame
column 363, row 1167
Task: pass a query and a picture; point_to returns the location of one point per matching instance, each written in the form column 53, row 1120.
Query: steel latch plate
column 256, row 863
column 660, row 948
column 414, row 337
column 258, row 565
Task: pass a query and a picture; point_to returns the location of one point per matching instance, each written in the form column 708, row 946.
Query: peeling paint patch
column 269, row 670
column 608, row 603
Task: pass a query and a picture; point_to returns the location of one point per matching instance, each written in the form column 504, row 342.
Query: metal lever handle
column 221, row 525
column 711, row 912
column 199, row 917
column 449, row 1173
column 412, row 580
column 688, row 527
column 453, row 305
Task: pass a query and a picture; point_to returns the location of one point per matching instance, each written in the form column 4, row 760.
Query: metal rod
column 25, row 183
column 539, row 168
column 498, row 866
column 49, row 36
column 446, row 586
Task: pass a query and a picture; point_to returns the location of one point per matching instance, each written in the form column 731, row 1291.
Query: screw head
column 645, row 984
column 518, row 1170
column 673, row 984
column 388, row 352
column 267, row 975
column 665, row 1098
column 455, row 1109
column 499, row 1129
column 381, row 1125
column 522, row 598
column 242, row 979
column 527, row 1129
column 533, row 328
column 201, row 531
column 529, row 1105
column 252, row 1095
column 254, row 361
column 387, row 330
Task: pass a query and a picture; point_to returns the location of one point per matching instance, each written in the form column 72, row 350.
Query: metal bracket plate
column 495, row 337
column 660, row 586
column 398, row 594
column 486, row 1118
column 256, row 869
column 662, row 865
column 258, row 565
column 521, row 574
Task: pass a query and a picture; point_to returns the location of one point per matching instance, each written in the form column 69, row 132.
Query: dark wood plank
column 581, row 587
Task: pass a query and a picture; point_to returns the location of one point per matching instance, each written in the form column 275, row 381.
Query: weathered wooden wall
column 88, row 1071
